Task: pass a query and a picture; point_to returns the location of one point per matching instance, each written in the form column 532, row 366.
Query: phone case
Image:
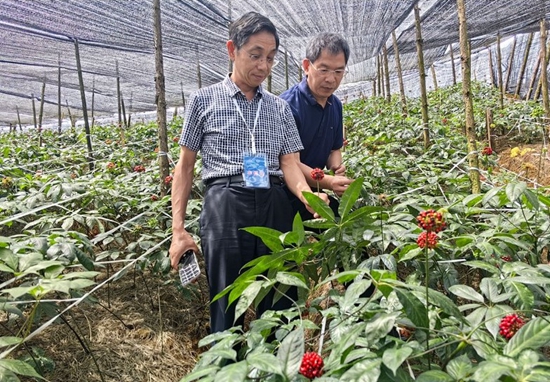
column 188, row 267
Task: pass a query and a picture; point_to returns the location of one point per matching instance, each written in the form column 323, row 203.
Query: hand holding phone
column 188, row 268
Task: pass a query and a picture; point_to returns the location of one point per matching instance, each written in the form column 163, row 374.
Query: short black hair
column 249, row 24
column 333, row 42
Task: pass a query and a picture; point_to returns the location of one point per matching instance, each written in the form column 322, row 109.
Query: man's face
column 252, row 63
column 321, row 76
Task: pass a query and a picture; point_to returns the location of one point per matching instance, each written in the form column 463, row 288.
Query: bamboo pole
column 59, row 93
column 379, row 76
column 34, row 112
column 161, row 98
column 374, row 87
column 533, row 79
column 119, row 106
column 434, row 77
column 499, row 73
column 182, row 96
column 524, row 64
column 93, row 101
column 386, row 72
column 510, row 65
column 84, row 108
column 199, row 74
column 269, row 81
column 491, row 68
column 286, row 69
column 18, row 118
column 453, row 63
column 41, row 113
column 422, row 75
column 399, row 74
column 543, row 72
column 539, row 84
column 123, row 110
column 465, row 58
column 70, row 116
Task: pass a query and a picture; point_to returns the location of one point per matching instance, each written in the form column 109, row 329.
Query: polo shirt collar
column 233, row 89
column 304, row 89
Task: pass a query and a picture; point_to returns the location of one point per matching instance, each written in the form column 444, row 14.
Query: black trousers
column 226, row 247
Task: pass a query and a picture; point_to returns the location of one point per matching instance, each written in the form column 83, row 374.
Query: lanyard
column 246, row 124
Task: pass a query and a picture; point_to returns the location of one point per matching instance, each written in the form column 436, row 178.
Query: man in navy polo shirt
column 318, row 115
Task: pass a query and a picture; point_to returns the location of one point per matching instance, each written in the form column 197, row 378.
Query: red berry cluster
column 509, row 325
column 431, row 221
column 176, row 139
column 487, row 151
column 312, row 365
column 111, row 166
column 154, row 197
column 139, row 168
column 427, row 239
column 506, row 258
column 168, row 180
column 317, row 174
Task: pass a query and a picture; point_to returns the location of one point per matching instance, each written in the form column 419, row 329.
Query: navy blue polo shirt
column 321, row 129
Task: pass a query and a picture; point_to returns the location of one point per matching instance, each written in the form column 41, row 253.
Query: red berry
column 506, row 258
column 312, row 365
column 431, row 220
column 427, row 239
column 139, row 168
column 111, row 165
column 509, row 325
column 168, row 179
column 154, row 197
column 487, row 151
column 317, row 174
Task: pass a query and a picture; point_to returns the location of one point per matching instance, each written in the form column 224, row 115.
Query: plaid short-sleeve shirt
column 214, row 126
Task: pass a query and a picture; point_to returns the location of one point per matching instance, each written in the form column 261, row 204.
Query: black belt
column 238, row 179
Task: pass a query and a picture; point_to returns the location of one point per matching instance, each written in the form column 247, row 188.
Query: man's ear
column 231, row 50
column 305, row 65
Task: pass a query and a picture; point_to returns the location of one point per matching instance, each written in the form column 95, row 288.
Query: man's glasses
column 257, row 59
column 338, row 73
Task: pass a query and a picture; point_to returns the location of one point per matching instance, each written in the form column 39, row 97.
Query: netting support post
column 491, row 69
column 399, row 74
column 386, row 72
column 510, row 64
column 119, row 106
column 182, row 96
column 41, row 113
column 544, row 68
column 161, row 99
column 453, row 63
column 59, row 93
column 379, row 86
column 124, row 121
column 534, row 77
column 499, row 74
column 434, row 77
column 465, row 60
column 199, row 75
column 269, row 81
column 34, row 112
column 489, row 127
column 422, row 78
column 93, row 101
column 286, row 69
column 18, row 118
column 84, row 108
column 523, row 65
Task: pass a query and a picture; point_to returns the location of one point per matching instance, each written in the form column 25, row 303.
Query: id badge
column 256, row 174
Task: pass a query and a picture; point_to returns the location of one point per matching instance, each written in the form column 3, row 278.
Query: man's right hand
column 339, row 184
column 181, row 242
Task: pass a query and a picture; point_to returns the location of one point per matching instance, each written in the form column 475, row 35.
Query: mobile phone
column 188, row 268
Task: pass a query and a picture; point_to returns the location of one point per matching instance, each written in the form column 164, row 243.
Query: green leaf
column 532, row 199
column 353, row 292
column 491, row 194
column 349, row 198
column 514, row 190
column 467, row 293
column 434, row 376
column 482, row 265
column 510, row 240
column 319, row 206
column 489, row 287
column 8, row 341
column 489, row 371
column 483, row 344
column 265, row 362
column 460, row 368
column 367, row 370
column 290, row 352
column 19, row 367
column 394, row 357
column 493, row 316
column 532, row 335
column 270, row 237
column 247, row 298
column 9, row 258
column 294, row 279
column 84, row 259
column 7, row 376
column 414, row 308
column 234, row 372
column 472, row 200
column 298, row 228
column 522, row 297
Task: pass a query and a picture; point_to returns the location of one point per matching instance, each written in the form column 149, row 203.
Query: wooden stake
column 41, row 113
column 34, row 112
column 434, row 77
column 533, row 79
column 269, row 79
column 18, row 118
column 123, row 110
column 544, row 73
column 161, row 98
column 465, row 59
column 453, row 63
column 93, row 101
column 510, row 65
column 491, row 69
column 488, row 128
column 119, row 106
column 84, row 108
column 422, row 75
column 380, row 86
column 499, row 73
column 386, row 72
column 286, row 69
column 399, row 74
column 523, row 64
column 70, row 117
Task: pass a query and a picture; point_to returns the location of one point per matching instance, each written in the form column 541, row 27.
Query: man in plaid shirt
column 248, row 141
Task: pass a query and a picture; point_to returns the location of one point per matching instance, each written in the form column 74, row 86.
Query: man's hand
column 181, row 242
column 325, row 199
column 339, row 170
column 339, row 184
